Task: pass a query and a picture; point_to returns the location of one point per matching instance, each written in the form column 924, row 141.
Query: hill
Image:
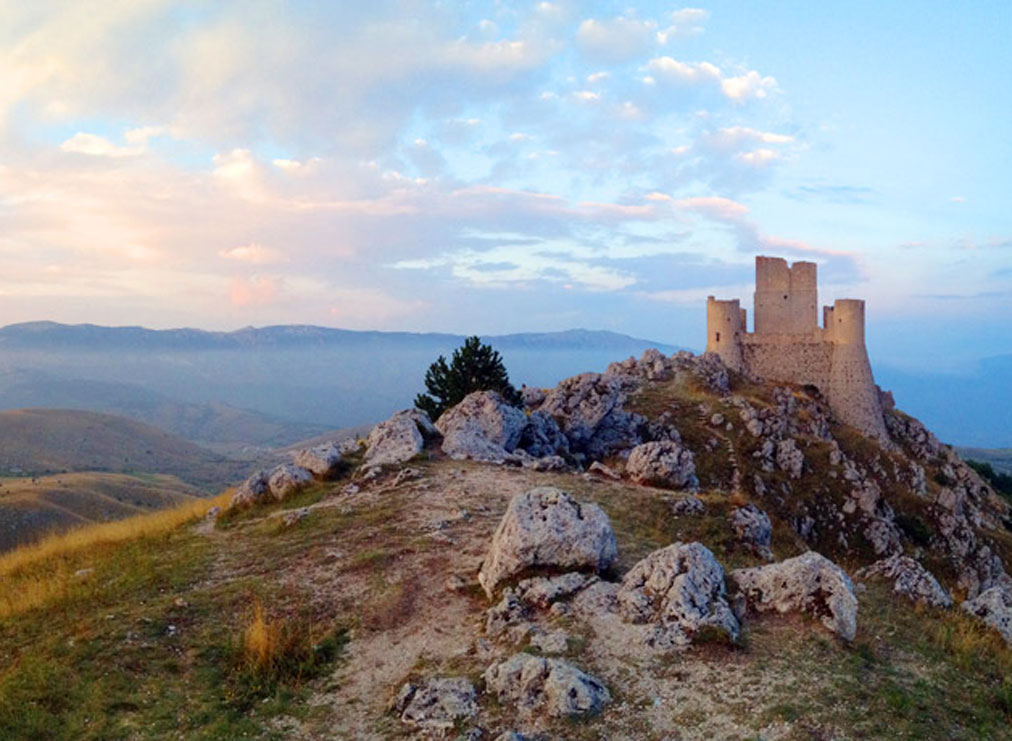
column 33, row 507
column 327, row 614
column 1000, row 459
column 36, row 442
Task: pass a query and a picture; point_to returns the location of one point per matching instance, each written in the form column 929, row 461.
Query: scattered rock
column 212, row 514
column 664, row 463
column 547, row 463
column 546, row 528
column 994, row 607
column 789, row 458
column 542, row 592
column 406, row 474
column 688, row 506
column 910, row 579
column 398, row 439
column 83, row 573
column 294, row 516
column 437, row 704
column 809, row 583
column 753, row 528
column 321, row 461
column 679, row 589
column 482, row 427
column 602, row 470
column 553, row 686
column 287, row 479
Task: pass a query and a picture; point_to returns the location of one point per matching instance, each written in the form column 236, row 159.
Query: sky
column 494, row 167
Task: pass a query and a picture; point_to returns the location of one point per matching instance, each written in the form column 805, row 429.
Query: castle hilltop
column 789, row 345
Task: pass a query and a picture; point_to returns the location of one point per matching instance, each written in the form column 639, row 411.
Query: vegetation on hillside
column 1000, row 482
column 474, row 367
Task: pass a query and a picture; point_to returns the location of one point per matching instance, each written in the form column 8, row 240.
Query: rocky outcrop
column 321, row 461
column 482, row 427
column 287, row 479
column 510, row 615
column 252, row 491
column 436, row 704
column 666, row 464
column 910, row 579
column 752, row 527
column 994, row 607
column 545, row 528
column 398, row 439
column 588, row 408
column 542, row 437
column 680, row 590
column 534, row 684
column 808, row 583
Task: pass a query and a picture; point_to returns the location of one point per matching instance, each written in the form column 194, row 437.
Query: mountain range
column 255, row 388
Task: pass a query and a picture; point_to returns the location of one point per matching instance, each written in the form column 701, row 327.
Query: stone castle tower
column 789, row 345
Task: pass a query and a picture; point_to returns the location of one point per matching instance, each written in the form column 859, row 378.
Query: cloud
column 739, row 89
column 253, row 253
column 684, row 22
column 617, row 40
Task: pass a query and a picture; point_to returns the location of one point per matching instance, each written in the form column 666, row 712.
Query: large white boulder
column 322, row 460
column 663, row 463
column 287, row 479
column 252, row 491
column 809, row 583
column 679, row 589
column 589, row 410
column 482, row 427
column 994, row 607
column 552, row 686
column 545, row 528
column 910, row 579
column 398, row 439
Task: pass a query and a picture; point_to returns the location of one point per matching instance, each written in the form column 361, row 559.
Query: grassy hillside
column 46, row 441
column 257, row 629
column 32, row 507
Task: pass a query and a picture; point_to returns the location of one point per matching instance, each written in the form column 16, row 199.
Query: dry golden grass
column 261, row 640
column 37, row 574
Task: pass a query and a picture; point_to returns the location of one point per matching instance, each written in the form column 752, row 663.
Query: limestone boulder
column 321, row 461
column 287, row 479
column 752, row 527
column 790, row 458
column 436, row 704
column 663, row 463
column 398, row 439
column 542, row 437
column 680, row 590
column 588, row 408
column 994, row 607
column 910, row 579
column 534, row 684
column 252, row 491
column 545, row 528
column 482, row 427
column 808, row 583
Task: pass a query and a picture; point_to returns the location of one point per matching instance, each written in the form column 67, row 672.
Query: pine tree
column 474, row 367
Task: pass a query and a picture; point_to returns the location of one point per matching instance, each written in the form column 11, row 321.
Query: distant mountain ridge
column 45, row 334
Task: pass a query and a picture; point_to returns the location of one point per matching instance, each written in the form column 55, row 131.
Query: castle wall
column 787, row 358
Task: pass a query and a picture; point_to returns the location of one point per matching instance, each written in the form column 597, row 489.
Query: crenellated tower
column 789, row 345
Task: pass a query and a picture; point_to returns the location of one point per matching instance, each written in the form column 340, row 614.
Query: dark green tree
column 474, row 367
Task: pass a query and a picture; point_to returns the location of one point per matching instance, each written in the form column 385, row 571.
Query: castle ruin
column 789, row 345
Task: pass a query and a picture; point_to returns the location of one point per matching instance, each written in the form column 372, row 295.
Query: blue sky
column 497, row 167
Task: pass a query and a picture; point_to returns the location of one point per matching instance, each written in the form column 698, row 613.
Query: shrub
column 474, row 367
